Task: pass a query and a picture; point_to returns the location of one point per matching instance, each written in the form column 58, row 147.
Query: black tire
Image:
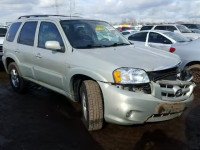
column 18, row 85
column 92, row 105
column 195, row 72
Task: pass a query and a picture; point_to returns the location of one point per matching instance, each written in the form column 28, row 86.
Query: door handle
column 38, row 55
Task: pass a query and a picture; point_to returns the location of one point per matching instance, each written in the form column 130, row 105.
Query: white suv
column 3, row 31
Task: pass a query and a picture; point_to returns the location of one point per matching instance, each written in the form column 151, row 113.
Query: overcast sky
column 109, row 10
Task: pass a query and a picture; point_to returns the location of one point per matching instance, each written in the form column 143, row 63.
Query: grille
column 175, row 90
column 141, row 88
column 168, row 74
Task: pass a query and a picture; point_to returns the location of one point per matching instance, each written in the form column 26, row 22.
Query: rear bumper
column 128, row 108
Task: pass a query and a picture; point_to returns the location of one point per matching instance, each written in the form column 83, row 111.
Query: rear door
column 51, row 64
column 25, row 48
column 158, row 41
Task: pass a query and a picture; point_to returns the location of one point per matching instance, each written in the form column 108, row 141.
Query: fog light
column 129, row 114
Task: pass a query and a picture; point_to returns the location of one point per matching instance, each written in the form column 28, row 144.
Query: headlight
column 130, row 76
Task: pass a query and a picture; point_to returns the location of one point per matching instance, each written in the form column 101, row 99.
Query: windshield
column 198, row 26
column 84, row 34
column 183, row 29
column 3, row 32
column 176, row 37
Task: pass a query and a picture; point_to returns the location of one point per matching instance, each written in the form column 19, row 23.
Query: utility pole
column 56, row 5
column 72, row 7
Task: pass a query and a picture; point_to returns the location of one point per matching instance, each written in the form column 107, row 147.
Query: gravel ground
column 44, row 120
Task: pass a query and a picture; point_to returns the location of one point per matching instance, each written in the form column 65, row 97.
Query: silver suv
column 90, row 62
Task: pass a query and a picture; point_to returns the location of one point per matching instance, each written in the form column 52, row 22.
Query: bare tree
column 129, row 21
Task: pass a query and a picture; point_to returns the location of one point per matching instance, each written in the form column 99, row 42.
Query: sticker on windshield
column 100, row 28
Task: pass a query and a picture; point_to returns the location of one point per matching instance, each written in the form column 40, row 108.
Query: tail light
column 172, row 50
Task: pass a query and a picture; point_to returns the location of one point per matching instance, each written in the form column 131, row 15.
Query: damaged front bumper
column 167, row 100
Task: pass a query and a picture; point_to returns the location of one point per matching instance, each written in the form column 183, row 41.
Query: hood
column 106, row 60
column 1, row 40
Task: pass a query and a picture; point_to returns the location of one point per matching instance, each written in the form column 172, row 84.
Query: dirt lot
column 44, row 120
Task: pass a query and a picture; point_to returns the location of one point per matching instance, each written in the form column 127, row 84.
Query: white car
column 3, row 31
column 190, row 57
column 127, row 32
column 177, row 28
column 159, row 39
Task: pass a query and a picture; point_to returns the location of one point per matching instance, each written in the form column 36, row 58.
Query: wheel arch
column 192, row 63
column 7, row 62
column 76, row 82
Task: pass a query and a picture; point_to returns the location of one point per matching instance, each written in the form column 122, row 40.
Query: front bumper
column 128, row 108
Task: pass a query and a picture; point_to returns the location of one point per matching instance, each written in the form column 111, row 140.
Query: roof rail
column 29, row 16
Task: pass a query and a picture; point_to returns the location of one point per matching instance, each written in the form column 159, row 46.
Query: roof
column 58, row 17
column 160, row 31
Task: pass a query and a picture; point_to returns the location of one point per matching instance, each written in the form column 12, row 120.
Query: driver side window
column 49, row 32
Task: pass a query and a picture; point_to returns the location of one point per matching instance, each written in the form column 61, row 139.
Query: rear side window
column 141, row 37
column 146, row 28
column 27, row 34
column 12, row 31
column 171, row 28
column 160, row 28
column 125, row 33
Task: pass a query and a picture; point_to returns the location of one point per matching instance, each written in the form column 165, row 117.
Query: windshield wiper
column 90, row 46
column 118, row 44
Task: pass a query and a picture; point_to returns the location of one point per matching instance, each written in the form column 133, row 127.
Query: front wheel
column 92, row 105
column 16, row 81
column 195, row 72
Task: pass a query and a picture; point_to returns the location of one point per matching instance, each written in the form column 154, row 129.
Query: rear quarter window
column 13, row 31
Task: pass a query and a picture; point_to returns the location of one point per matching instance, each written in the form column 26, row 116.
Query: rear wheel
column 195, row 72
column 92, row 105
column 16, row 81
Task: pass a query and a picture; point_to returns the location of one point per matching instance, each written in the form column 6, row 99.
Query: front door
column 51, row 64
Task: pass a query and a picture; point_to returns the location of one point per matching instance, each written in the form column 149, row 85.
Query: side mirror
column 176, row 31
column 53, row 45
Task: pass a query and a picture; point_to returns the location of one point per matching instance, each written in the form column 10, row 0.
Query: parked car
column 127, row 32
column 3, row 31
column 122, row 28
column 195, row 31
column 190, row 57
column 113, row 80
column 177, row 28
column 146, row 27
column 159, row 39
column 192, row 26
